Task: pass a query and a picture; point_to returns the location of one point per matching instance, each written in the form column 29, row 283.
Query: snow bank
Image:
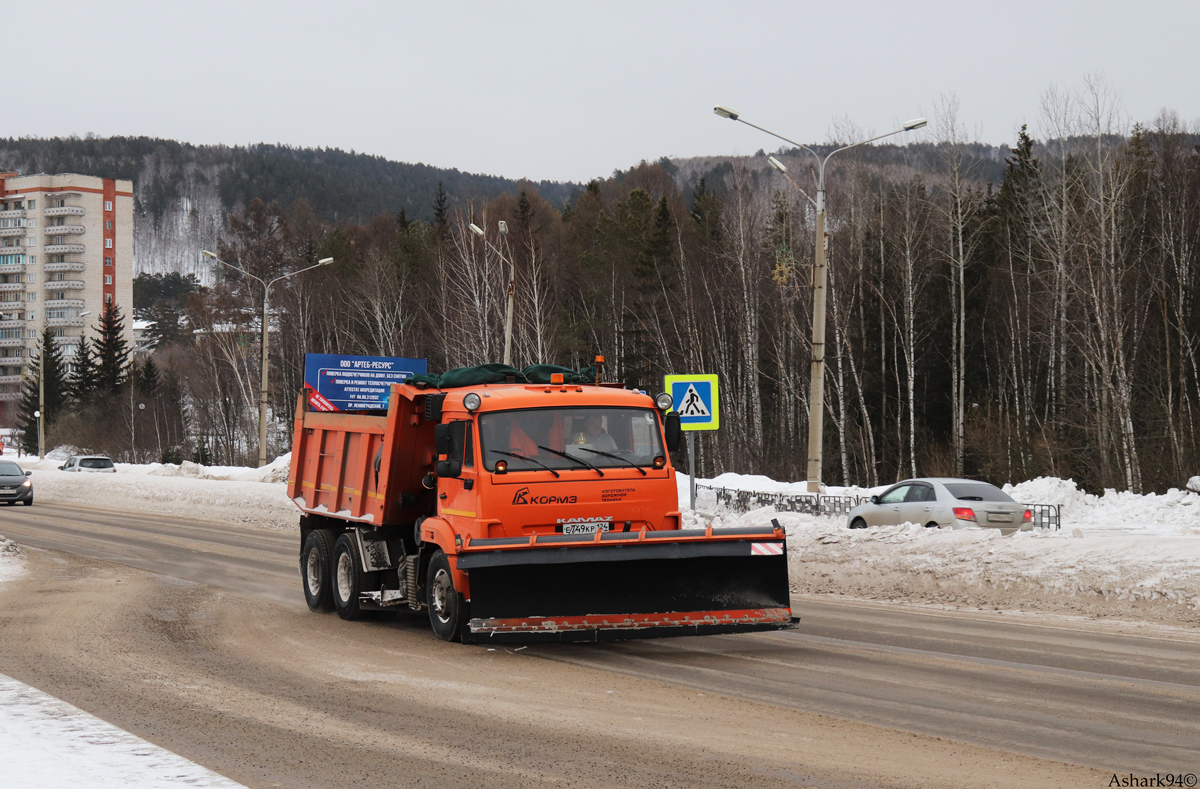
column 1176, row 512
column 231, row 500
column 10, row 560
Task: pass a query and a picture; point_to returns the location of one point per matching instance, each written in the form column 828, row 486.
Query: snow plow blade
column 616, row 586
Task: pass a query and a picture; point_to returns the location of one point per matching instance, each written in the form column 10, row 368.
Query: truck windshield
column 616, row 438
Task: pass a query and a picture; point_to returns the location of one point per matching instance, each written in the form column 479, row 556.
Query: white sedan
column 943, row 502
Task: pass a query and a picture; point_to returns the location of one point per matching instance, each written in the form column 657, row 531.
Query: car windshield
column 976, row 491
column 570, row 438
column 96, row 463
column 10, row 469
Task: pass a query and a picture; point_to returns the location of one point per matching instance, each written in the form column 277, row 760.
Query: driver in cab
column 594, row 435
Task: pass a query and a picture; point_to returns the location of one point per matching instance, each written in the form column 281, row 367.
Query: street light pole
column 263, row 388
column 512, row 284
column 816, row 397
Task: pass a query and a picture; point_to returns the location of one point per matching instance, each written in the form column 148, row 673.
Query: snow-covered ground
column 1124, row 554
column 47, row 742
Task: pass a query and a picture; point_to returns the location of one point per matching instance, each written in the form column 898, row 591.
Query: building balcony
column 64, row 284
column 64, row 249
column 12, row 342
column 8, row 322
column 9, row 232
column 7, row 286
column 9, row 397
column 51, row 304
column 11, row 379
column 64, row 210
column 13, row 268
column 64, row 321
column 49, row 268
column 65, row 230
column 12, row 213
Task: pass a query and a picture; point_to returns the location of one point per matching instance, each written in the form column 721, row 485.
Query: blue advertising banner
column 335, row 382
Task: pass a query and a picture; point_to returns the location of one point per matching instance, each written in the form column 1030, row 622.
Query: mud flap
column 647, row 589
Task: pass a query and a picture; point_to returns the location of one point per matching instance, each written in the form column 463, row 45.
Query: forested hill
column 183, row 192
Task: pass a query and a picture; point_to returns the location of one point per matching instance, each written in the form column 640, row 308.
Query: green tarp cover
column 499, row 373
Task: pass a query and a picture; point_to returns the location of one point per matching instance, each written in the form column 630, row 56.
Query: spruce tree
column 55, row 389
column 148, row 378
column 112, row 352
column 83, row 380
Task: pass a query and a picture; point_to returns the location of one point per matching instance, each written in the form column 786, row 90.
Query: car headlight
column 27, row 483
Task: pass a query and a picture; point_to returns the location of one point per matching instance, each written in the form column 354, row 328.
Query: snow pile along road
column 10, row 560
column 228, row 495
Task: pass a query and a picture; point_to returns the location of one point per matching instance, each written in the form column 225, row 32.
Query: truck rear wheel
column 447, row 609
column 315, row 561
column 346, row 577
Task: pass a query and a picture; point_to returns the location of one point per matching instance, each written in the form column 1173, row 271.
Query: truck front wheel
column 347, row 577
column 447, row 609
column 315, row 562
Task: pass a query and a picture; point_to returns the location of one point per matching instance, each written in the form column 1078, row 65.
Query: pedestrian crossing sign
column 695, row 399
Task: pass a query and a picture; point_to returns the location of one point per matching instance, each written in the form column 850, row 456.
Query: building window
column 108, row 298
column 30, row 223
column 32, row 204
column 31, row 276
column 108, row 205
column 31, row 241
column 108, row 243
column 108, row 224
column 31, row 315
column 108, row 279
column 33, row 260
column 108, row 260
column 32, row 296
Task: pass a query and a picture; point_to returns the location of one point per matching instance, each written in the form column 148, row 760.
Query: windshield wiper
column 572, row 457
column 616, row 457
column 522, row 457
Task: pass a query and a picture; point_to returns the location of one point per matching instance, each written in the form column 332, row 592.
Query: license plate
column 999, row 517
column 587, row 527
column 8, row 490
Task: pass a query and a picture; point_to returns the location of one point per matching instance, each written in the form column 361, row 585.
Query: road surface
column 211, row 653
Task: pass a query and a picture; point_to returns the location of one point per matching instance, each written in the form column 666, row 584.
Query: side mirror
column 674, row 431
column 63, row 467
column 449, row 468
column 29, row 473
column 443, row 441
column 874, row 499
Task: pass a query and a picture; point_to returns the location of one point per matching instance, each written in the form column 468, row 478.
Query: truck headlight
column 663, row 400
column 472, row 402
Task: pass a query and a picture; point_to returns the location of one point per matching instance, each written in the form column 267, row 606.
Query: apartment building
column 66, row 251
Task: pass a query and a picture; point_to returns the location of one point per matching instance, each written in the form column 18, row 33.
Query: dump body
column 555, row 505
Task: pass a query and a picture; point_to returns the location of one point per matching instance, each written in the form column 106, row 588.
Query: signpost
column 335, row 382
column 698, row 403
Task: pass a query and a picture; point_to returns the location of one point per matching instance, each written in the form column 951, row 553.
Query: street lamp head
column 208, row 254
column 476, row 229
column 324, row 261
column 503, row 227
column 778, row 165
column 725, row 112
column 915, row 123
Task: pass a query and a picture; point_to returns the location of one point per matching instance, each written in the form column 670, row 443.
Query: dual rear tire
column 331, row 569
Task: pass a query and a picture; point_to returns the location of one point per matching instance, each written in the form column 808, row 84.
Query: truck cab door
column 457, row 496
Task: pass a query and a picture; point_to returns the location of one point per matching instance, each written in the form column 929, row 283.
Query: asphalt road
column 1086, row 695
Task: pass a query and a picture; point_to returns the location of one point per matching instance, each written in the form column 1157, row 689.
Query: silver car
column 943, row 502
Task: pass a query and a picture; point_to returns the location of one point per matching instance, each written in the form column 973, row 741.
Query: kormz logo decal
column 522, row 497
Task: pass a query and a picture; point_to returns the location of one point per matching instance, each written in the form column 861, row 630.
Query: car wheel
column 932, row 525
column 29, row 502
column 447, row 609
column 315, row 563
column 346, row 577
column 858, row 523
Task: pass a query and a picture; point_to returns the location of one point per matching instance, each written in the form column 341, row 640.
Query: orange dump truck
column 521, row 512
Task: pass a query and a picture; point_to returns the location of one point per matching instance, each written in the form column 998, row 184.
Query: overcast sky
column 572, row 90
